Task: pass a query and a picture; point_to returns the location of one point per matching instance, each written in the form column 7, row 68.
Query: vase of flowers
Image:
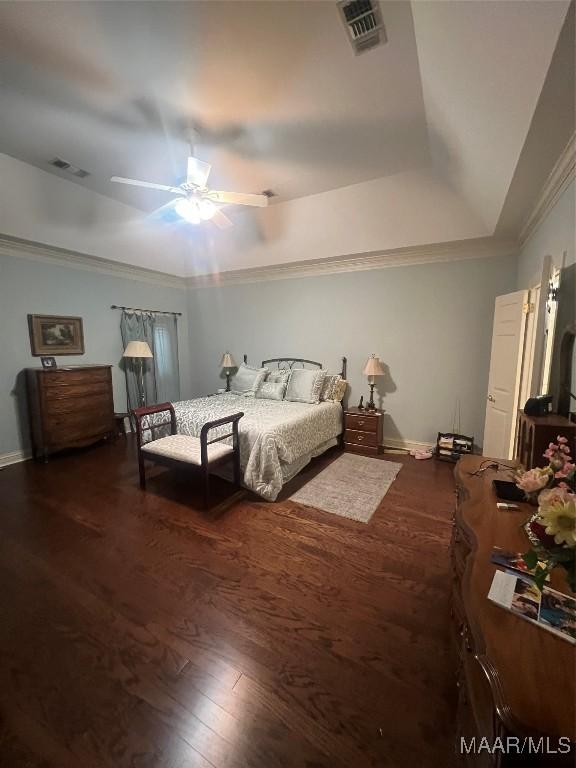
column 552, row 528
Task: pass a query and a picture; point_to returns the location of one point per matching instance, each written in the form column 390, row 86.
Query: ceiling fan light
column 207, row 209
column 188, row 210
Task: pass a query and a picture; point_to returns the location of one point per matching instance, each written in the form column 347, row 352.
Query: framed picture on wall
column 56, row 335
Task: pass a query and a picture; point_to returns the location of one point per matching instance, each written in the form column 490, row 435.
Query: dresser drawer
column 69, row 378
column 361, row 423
column 101, row 402
column 361, row 438
column 373, row 450
column 85, row 392
column 94, row 421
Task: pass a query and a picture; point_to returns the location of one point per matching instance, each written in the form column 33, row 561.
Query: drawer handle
column 360, row 437
column 360, row 422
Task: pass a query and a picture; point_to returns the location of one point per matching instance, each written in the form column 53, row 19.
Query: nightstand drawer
column 361, row 438
column 362, row 423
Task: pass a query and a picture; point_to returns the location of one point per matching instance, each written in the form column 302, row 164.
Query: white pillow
column 338, row 390
column 247, row 380
column 279, row 375
column 305, row 385
column 328, row 386
column 271, row 390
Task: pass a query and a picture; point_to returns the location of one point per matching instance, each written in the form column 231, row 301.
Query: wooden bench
column 177, row 450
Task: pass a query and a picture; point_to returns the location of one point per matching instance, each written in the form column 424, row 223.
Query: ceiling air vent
column 363, row 23
column 63, row 165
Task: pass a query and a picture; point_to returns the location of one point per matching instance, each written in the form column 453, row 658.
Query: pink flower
column 533, row 480
column 560, row 494
column 564, row 471
column 562, row 439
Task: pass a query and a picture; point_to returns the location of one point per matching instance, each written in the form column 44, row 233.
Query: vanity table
column 514, row 678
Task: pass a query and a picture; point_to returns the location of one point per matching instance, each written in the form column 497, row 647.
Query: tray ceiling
column 274, row 97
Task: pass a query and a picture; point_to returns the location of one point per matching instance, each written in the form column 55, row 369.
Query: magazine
column 513, row 561
column 548, row 609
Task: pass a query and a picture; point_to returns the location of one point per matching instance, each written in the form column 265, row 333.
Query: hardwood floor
column 138, row 631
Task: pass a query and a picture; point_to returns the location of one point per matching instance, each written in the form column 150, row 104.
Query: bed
column 277, row 437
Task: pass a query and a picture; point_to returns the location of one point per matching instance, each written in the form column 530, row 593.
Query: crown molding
column 561, row 175
column 458, row 250
column 28, row 249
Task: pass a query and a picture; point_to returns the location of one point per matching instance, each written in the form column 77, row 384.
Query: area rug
column 351, row 486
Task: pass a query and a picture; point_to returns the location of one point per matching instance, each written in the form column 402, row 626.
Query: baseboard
column 14, row 457
column 406, row 445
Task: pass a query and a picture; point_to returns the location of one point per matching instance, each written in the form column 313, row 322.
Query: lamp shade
column 137, row 349
column 227, row 361
column 373, row 367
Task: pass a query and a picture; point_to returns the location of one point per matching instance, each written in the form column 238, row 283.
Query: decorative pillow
column 271, row 390
column 338, row 390
column 328, row 386
column 281, row 375
column 305, row 386
column 247, row 380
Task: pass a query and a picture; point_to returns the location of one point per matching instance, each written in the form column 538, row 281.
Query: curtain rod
column 152, row 311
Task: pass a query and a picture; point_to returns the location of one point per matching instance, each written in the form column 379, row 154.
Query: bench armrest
column 140, row 413
column 204, row 442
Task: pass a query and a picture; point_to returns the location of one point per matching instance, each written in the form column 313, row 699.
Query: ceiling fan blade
column 166, row 212
column 221, row 220
column 198, row 172
column 238, row 198
column 147, row 184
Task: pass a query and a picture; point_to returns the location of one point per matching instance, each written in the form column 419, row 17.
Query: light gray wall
column 430, row 324
column 555, row 235
column 32, row 287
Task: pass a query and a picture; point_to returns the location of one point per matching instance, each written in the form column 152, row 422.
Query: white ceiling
column 439, row 114
column 281, row 100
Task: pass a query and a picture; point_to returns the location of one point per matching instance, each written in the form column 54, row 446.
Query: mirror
column 562, row 369
column 552, row 302
column 567, row 374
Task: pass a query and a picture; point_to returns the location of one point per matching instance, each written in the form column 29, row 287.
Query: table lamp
column 139, row 350
column 227, row 363
column 372, row 369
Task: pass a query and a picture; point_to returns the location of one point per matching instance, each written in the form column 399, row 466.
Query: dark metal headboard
column 297, row 362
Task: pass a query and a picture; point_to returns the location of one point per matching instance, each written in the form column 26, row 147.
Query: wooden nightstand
column 362, row 430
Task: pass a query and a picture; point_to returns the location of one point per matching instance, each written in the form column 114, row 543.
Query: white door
column 505, row 373
column 535, row 336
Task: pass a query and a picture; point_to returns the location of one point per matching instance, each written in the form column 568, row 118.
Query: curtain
column 138, row 326
column 166, row 358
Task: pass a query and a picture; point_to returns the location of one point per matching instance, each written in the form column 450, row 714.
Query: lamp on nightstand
column 372, row 369
column 139, row 350
column 227, row 363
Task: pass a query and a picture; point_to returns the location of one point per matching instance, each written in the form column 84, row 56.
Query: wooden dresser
column 362, row 430
column 514, row 678
column 69, row 407
column 536, row 432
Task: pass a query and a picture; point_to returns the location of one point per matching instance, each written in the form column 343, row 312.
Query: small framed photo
column 55, row 335
column 48, row 362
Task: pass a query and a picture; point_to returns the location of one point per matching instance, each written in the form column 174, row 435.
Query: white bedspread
column 277, row 438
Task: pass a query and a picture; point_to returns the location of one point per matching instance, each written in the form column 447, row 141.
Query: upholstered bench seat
column 175, row 449
column 185, row 448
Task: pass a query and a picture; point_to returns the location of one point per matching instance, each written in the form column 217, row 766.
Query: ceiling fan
column 195, row 201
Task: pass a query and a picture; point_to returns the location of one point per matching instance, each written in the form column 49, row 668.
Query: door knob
column 491, row 399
